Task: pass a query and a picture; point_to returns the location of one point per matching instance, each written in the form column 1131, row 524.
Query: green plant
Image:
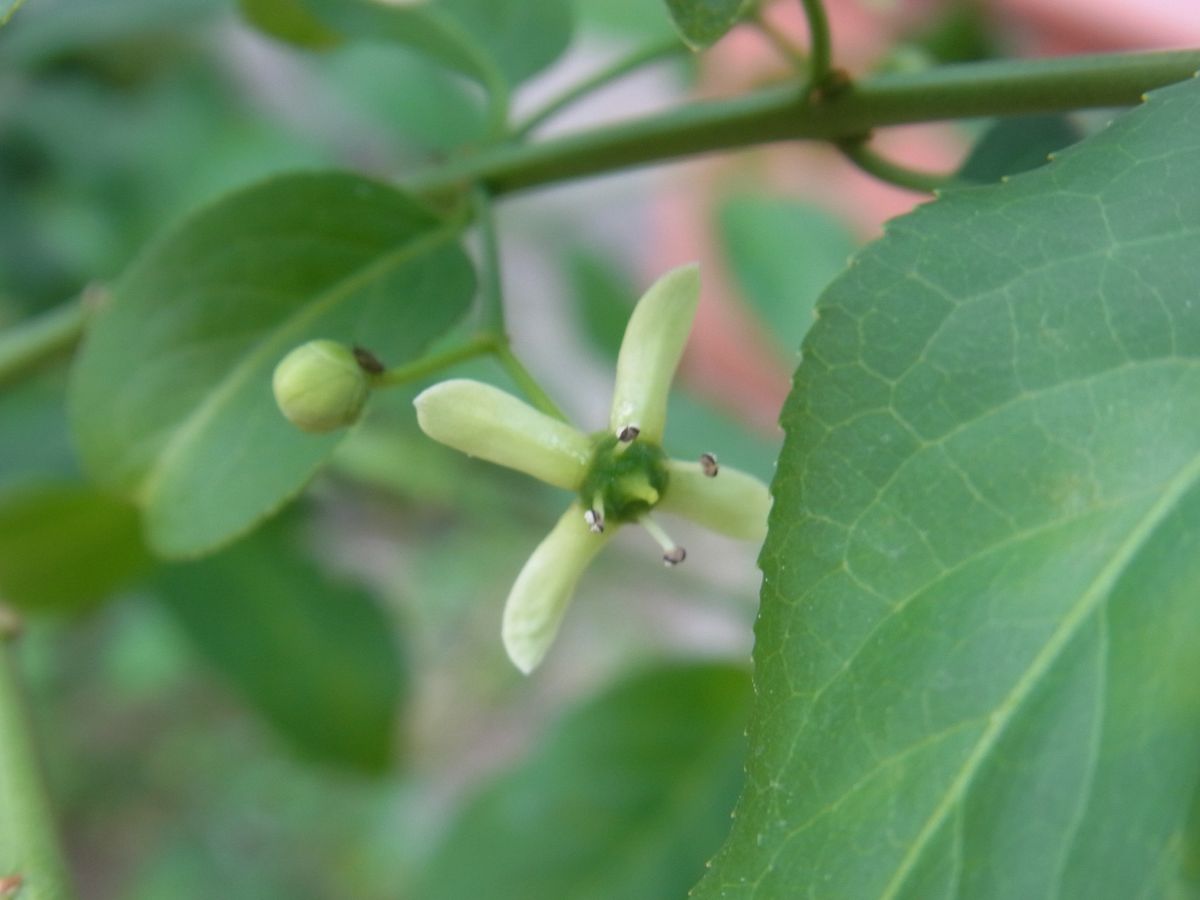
column 975, row 668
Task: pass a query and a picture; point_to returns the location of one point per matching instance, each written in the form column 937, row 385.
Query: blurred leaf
column 317, row 659
column 604, row 298
column 522, row 36
column 1017, row 145
column 289, row 21
column 958, row 33
column 976, row 663
column 516, row 38
column 49, row 28
column 634, row 19
column 171, row 398
column 64, row 547
column 782, row 254
column 703, row 22
column 626, row 798
column 408, row 96
column 7, row 8
column 35, row 443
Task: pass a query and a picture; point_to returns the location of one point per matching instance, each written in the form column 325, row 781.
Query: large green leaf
column 317, row 658
column 623, row 800
column 977, row 654
column 703, row 22
column 171, row 398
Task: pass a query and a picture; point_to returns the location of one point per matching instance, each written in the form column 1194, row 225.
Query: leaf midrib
column 1004, row 713
column 192, row 425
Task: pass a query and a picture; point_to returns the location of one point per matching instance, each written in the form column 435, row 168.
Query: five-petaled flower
column 619, row 475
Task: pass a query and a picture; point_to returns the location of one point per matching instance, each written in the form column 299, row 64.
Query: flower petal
column 484, row 421
column 732, row 503
column 651, row 349
column 542, row 591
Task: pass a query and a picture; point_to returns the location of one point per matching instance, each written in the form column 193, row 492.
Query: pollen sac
column 626, row 480
column 321, row 386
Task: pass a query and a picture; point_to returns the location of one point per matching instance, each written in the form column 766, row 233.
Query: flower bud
column 320, row 386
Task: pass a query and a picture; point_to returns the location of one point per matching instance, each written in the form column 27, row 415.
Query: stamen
column 628, row 434
column 673, row 554
column 708, row 465
column 595, row 516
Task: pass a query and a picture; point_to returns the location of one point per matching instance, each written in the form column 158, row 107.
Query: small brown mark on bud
column 708, row 465
column 368, row 361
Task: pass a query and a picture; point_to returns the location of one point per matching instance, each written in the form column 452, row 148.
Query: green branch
column 30, row 855
column 28, row 344
column 820, row 54
column 861, row 154
column 1011, row 87
column 527, row 383
column 491, row 310
column 433, row 363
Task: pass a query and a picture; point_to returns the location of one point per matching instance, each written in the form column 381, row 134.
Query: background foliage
column 975, row 663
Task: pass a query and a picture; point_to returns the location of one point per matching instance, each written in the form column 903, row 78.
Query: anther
column 628, row 434
column 368, row 361
column 673, row 554
column 708, row 465
column 595, row 521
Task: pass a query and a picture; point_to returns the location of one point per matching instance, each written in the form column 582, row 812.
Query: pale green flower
column 619, row 476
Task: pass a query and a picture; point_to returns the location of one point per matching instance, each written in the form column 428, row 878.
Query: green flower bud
column 321, row 386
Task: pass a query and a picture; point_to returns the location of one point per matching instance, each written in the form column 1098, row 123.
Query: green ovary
column 624, row 480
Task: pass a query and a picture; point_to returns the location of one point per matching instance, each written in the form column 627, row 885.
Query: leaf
column 415, row 101
column 523, row 37
column 170, row 397
column 64, row 546
column 783, row 254
column 317, row 659
column 35, row 441
column 1017, row 145
column 289, row 21
column 624, row 799
column 47, row 30
column 703, row 22
column 516, row 38
column 604, row 298
column 976, row 662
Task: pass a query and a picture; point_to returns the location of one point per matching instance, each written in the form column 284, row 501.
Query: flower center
column 625, row 479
